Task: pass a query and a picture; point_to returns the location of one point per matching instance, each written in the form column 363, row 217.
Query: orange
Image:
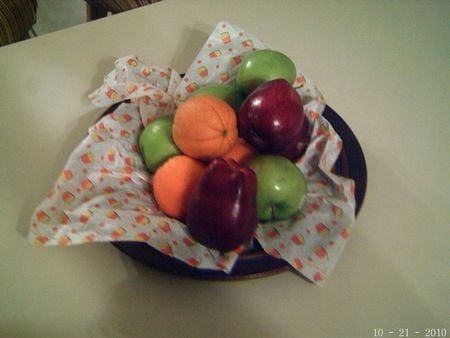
column 241, row 152
column 175, row 183
column 205, row 127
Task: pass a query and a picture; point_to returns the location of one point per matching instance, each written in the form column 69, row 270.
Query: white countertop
column 382, row 65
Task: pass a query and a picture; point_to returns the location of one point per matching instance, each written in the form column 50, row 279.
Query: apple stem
column 273, row 211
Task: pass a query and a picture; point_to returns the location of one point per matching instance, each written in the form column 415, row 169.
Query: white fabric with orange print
column 151, row 87
column 104, row 191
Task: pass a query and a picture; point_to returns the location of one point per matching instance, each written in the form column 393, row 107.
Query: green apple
column 281, row 187
column 156, row 142
column 262, row 66
column 223, row 91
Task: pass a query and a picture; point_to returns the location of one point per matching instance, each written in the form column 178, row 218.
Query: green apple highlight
column 223, row 91
column 281, row 187
column 156, row 142
column 262, row 66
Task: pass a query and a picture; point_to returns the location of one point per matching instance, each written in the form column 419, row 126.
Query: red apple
column 272, row 120
column 222, row 214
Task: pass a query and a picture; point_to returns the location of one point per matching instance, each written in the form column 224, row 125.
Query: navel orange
column 205, row 127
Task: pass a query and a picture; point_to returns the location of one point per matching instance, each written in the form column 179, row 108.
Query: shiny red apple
column 222, row 215
column 272, row 120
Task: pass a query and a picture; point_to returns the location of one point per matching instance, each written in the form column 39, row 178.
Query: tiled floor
column 53, row 15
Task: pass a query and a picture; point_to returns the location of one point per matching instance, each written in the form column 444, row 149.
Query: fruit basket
column 104, row 193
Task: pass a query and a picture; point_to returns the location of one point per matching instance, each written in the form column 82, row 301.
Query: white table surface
column 382, row 65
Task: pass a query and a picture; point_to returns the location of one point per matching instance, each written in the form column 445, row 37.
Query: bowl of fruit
column 236, row 169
